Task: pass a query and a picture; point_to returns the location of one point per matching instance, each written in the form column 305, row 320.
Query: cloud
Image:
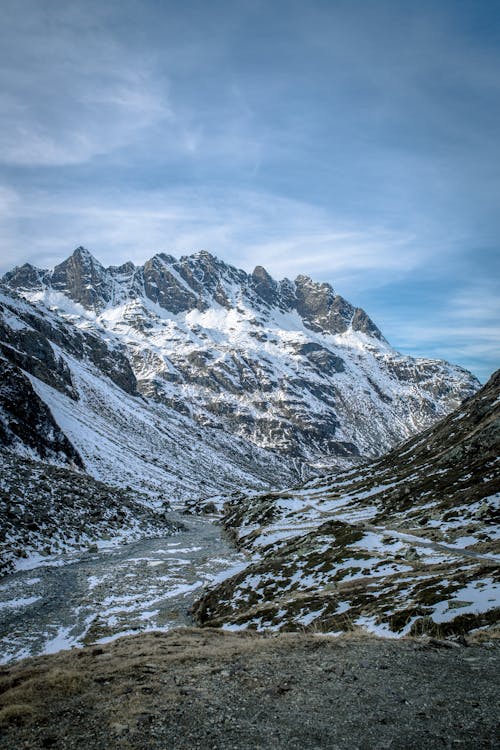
column 464, row 327
column 354, row 145
column 287, row 236
column 70, row 89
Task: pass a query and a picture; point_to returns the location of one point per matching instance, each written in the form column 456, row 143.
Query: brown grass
column 15, row 713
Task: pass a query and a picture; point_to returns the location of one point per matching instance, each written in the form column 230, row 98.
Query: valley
column 184, row 444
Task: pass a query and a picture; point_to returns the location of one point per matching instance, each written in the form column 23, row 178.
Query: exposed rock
column 265, row 286
column 26, row 422
column 49, row 509
column 30, row 334
column 323, row 310
column 83, row 278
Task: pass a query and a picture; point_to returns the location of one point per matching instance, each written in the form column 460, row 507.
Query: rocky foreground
column 190, row 689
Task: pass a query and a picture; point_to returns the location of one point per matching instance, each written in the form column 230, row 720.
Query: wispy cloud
column 70, row 89
column 464, row 326
column 287, row 236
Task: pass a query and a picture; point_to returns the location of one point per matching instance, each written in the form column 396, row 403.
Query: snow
column 19, row 603
column 465, row 541
column 372, row 625
column 479, row 596
column 375, row 542
column 165, row 341
column 62, row 641
column 169, row 456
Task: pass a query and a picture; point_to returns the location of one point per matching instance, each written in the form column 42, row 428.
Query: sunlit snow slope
column 70, row 397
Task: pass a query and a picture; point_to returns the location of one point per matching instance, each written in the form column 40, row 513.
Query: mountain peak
column 265, row 285
column 82, row 252
column 82, row 278
column 26, row 276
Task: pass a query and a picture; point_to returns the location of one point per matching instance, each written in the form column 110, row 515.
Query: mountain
column 202, row 377
column 408, row 543
column 69, row 396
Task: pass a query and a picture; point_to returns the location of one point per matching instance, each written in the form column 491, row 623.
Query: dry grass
column 188, row 679
column 16, row 713
column 134, row 668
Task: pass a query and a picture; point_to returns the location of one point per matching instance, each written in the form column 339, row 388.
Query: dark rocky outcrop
column 324, row 310
column 82, row 277
column 321, row 358
column 26, row 421
column 31, row 351
column 162, row 287
column 26, row 277
column 47, row 509
column 265, row 286
column 29, row 341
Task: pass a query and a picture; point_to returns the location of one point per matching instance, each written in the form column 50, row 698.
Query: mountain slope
column 47, row 510
column 70, row 397
column 289, row 367
column 408, row 543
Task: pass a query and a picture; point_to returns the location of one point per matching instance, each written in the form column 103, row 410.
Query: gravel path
column 195, row 689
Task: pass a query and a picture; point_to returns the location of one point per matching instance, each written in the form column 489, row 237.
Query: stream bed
column 84, row 598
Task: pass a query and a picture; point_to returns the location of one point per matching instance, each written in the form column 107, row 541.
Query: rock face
column 405, row 544
column 35, row 340
column 26, row 423
column 288, row 367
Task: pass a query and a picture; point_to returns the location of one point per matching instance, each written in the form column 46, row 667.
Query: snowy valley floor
column 102, row 592
column 193, row 689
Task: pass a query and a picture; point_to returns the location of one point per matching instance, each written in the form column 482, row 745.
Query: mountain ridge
column 81, row 273
column 290, row 367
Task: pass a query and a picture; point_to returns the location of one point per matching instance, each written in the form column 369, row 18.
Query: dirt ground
column 193, row 689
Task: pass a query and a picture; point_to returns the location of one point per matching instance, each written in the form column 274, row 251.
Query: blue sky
column 357, row 142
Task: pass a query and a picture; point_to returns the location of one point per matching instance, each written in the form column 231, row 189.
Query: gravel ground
column 192, row 689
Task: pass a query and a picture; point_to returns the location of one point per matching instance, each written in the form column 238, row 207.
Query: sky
column 356, row 142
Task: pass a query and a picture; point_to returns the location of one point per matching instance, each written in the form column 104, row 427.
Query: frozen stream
column 86, row 598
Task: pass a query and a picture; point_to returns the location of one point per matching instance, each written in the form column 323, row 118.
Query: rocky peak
column 265, row 286
column 82, row 278
column 324, row 310
column 363, row 323
column 194, row 282
column 204, row 257
column 126, row 269
column 202, row 271
column 163, row 285
column 320, row 307
column 25, row 277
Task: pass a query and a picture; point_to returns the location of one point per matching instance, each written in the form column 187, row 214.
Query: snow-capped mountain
column 270, row 375
column 69, row 396
column 408, row 543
